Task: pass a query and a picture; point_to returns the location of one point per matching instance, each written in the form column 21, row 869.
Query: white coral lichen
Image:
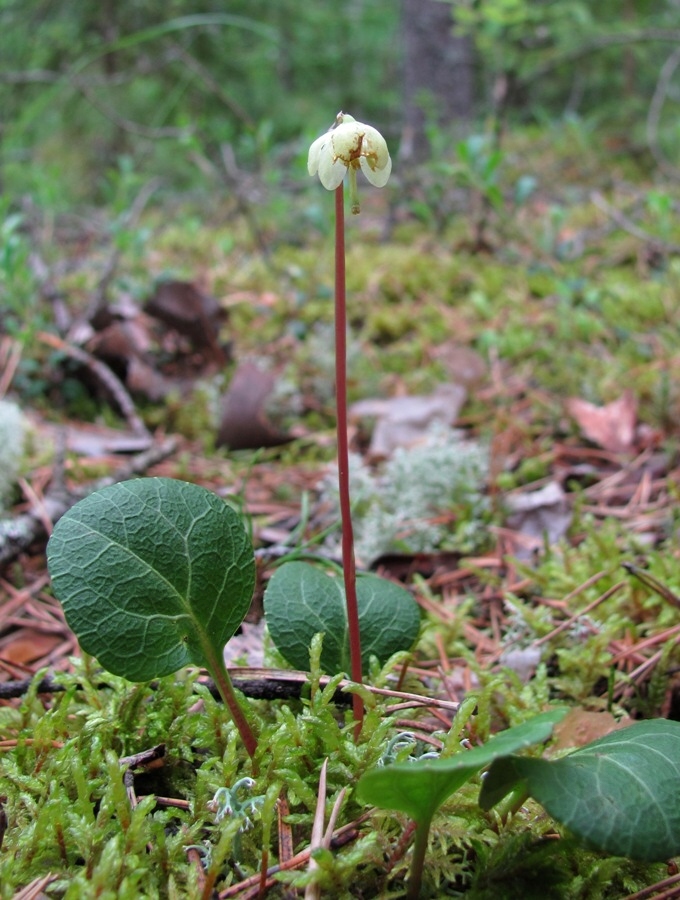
column 12, row 438
column 426, row 497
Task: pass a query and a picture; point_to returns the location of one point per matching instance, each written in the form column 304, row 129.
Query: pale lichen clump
column 12, row 442
column 425, row 498
column 347, row 147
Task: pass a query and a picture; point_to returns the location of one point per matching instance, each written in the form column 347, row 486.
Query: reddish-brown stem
column 348, row 564
column 218, row 670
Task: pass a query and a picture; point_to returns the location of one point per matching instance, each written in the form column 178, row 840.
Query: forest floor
column 514, row 380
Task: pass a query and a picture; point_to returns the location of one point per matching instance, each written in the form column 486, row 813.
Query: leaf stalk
column 224, row 685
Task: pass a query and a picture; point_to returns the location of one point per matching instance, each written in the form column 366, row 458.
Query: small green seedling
column 619, row 794
column 154, row 575
column 301, row 601
column 419, row 788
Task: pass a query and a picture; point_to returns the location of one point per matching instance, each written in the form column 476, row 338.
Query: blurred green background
column 172, row 87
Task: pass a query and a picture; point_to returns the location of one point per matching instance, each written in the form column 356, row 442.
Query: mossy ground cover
column 562, row 303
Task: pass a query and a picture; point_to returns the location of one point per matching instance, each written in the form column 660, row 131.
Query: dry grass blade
column 586, row 609
column 342, row 836
column 34, row 890
column 313, row 891
column 10, row 355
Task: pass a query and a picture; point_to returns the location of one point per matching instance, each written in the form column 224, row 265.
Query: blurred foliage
column 572, row 55
column 172, row 85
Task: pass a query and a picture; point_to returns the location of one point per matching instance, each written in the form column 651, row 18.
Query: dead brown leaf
column 611, row 427
column 191, row 312
column 244, row 424
column 26, row 645
column 581, row 726
column 537, row 516
column 403, row 421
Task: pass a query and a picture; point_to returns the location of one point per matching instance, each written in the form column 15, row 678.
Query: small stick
column 586, row 609
column 259, row 684
column 342, row 836
column 622, row 220
column 110, row 381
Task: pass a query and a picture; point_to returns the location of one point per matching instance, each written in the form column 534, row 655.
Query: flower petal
column 376, row 176
column 347, row 140
column 349, row 145
column 374, row 147
column 315, row 152
column 331, row 171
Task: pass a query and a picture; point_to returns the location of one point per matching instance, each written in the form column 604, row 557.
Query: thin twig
column 342, row 836
column 19, row 533
column 108, row 378
column 586, row 609
column 139, row 128
column 234, row 180
column 622, row 220
column 259, row 684
column 213, row 85
column 602, row 42
column 653, row 888
column 10, row 356
column 662, row 637
column 129, row 219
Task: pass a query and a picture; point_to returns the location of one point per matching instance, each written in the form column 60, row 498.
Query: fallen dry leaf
column 403, row 421
column 538, row 516
column 611, row 427
column 463, row 364
column 248, row 645
column 26, row 645
column 192, row 313
column 581, row 726
column 243, row 422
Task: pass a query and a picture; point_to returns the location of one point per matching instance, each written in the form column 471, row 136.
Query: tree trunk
column 438, row 73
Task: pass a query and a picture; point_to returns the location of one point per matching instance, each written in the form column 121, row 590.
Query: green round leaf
column 301, row 601
column 418, row 788
column 153, row 575
column 620, row 794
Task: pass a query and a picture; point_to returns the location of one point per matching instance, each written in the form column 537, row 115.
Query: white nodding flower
column 347, row 147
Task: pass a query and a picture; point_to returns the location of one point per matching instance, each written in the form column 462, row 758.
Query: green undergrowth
column 568, row 302
column 576, row 663
column 65, row 782
column 69, row 811
column 561, row 304
column 67, row 802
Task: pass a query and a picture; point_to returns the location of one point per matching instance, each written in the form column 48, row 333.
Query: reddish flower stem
column 348, row 563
